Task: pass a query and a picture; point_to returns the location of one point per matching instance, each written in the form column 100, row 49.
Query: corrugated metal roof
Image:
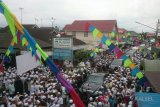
column 154, row 79
column 152, row 65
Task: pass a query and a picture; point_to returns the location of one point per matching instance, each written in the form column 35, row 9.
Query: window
column 74, row 33
column 85, row 34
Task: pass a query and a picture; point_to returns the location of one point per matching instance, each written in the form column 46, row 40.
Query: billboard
column 62, row 54
column 62, row 43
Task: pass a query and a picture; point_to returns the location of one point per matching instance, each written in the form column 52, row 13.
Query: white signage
column 62, row 42
column 26, row 62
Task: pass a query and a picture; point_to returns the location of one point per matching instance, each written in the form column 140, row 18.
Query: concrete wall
column 89, row 40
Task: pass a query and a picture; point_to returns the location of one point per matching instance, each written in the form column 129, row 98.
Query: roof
column 27, row 26
column 42, row 34
column 150, row 35
column 102, row 25
column 152, row 72
column 122, row 30
column 78, row 42
column 5, row 40
column 153, row 78
column 133, row 33
column 152, row 65
column 30, row 26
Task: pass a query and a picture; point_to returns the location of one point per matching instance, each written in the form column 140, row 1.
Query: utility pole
column 36, row 20
column 41, row 22
column 157, row 29
column 53, row 20
column 21, row 13
column 157, row 33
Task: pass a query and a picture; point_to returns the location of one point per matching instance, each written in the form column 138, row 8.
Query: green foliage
column 82, row 55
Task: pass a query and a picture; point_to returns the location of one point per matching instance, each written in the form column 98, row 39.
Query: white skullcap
column 130, row 102
column 102, row 87
column 129, row 105
column 70, row 101
column 29, row 100
column 52, row 98
column 99, row 103
column 94, row 103
column 78, row 75
column 2, row 105
column 54, row 91
column 38, row 101
column 123, row 105
column 26, row 104
column 19, row 103
column 90, row 98
column 100, row 92
column 10, row 98
column 43, row 97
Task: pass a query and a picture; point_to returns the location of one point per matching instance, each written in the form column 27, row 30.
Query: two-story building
column 79, row 31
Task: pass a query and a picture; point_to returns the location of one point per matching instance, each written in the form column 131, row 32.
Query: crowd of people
column 40, row 88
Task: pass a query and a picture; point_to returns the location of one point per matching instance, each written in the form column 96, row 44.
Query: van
column 93, row 83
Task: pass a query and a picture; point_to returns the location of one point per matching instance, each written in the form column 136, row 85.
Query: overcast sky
column 126, row 12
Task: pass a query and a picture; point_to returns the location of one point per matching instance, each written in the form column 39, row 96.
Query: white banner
column 26, row 62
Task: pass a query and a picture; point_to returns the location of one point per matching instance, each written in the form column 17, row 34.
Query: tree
column 81, row 55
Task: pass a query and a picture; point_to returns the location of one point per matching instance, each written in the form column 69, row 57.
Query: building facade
column 78, row 30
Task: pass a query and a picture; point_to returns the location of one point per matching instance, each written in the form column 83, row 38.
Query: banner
column 25, row 63
column 148, row 99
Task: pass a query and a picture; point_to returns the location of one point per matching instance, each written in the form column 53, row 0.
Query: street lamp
column 21, row 13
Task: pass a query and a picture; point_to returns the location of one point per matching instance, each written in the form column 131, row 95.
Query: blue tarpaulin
column 148, row 99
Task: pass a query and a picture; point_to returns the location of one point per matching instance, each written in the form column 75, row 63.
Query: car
column 93, row 83
column 116, row 63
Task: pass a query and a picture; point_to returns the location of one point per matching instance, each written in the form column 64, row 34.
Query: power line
column 146, row 25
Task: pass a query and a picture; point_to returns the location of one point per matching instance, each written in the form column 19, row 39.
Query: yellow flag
column 100, row 35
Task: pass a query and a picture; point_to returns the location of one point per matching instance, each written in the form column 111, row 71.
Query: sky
column 63, row 12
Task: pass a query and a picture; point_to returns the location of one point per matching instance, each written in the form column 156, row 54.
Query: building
column 43, row 37
column 122, row 34
column 78, row 30
column 151, row 36
column 64, row 47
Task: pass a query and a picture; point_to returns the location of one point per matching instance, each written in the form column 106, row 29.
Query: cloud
column 126, row 12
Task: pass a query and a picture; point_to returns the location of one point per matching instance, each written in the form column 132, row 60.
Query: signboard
column 62, row 43
column 148, row 99
column 62, row 54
